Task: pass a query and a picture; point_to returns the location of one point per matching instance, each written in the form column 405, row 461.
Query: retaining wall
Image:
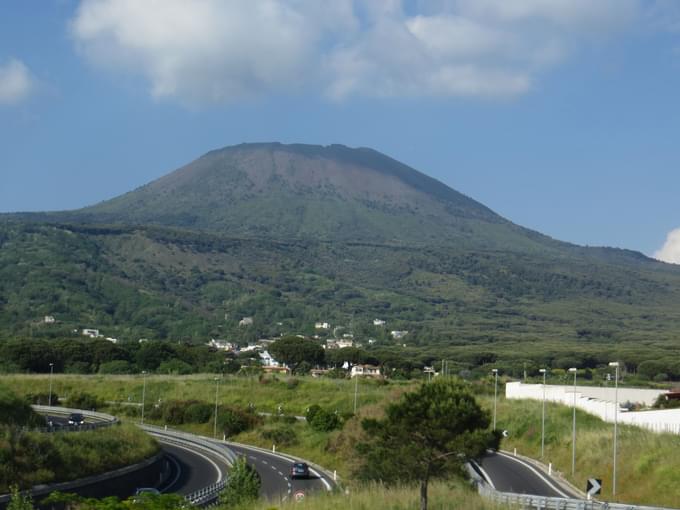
column 600, row 402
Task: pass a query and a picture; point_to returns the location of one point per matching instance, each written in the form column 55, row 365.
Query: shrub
column 175, row 367
column 243, row 485
column 82, row 400
column 173, row 412
column 198, row 412
column 284, row 436
column 324, row 421
column 118, row 366
column 42, row 398
column 233, row 420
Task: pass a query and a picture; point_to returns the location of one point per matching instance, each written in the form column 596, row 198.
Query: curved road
column 512, row 474
column 274, row 470
column 192, row 470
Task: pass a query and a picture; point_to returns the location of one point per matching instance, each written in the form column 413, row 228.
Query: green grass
column 293, row 394
column 648, row 467
column 34, row 458
column 455, row 495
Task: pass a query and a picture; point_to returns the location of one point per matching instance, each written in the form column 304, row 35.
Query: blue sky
column 561, row 115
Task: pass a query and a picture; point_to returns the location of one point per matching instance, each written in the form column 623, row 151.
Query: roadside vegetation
column 648, row 466
column 29, row 457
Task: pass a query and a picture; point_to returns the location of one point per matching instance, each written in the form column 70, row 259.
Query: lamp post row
column 573, row 370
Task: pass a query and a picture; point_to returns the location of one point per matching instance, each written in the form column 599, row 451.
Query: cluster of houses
column 271, row 365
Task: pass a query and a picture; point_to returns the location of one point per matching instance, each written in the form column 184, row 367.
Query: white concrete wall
column 600, row 402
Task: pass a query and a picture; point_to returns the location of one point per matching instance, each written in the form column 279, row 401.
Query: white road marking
column 179, row 473
column 264, row 462
column 220, row 475
column 485, row 474
column 537, row 473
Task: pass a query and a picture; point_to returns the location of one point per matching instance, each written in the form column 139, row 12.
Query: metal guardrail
column 99, row 420
column 206, row 495
column 533, row 502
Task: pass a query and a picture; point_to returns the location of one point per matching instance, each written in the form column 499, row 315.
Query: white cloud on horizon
column 670, row 251
column 16, row 82
column 212, row 51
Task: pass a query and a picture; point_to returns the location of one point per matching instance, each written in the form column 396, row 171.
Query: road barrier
column 531, row 502
column 206, row 495
column 99, row 420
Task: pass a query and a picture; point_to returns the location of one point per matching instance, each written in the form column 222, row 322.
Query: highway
column 274, row 470
column 190, row 470
column 511, row 474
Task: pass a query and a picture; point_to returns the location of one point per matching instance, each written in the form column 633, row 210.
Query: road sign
column 299, row 495
column 593, row 487
column 506, row 433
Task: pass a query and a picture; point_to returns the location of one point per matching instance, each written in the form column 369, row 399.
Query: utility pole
column 49, row 402
column 217, row 387
column 495, row 395
column 356, row 392
column 573, row 428
column 616, row 419
column 543, row 371
column 143, row 394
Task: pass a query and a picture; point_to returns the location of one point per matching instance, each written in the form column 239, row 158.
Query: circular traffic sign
column 299, row 495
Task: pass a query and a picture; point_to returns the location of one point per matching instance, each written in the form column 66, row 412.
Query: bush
column 243, row 485
column 233, row 420
column 175, row 367
column 42, row 398
column 118, row 366
column 324, row 421
column 284, row 436
column 173, row 412
column 84, row 400
column 198, row 412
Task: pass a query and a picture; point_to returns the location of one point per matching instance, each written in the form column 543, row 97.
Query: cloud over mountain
column 210, row 51
column 670, row 251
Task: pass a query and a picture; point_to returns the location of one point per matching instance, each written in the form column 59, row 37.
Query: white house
column 92, row 333
column 339, row 344
column 398, row 334
column 378, row 322
column 246, row 321
column 322, row 325
column 267, row 360
column 49, row 319
column 365, row 371
column 112, row 340
column 222, row 345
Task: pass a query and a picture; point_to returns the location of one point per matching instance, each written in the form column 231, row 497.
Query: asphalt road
column 274, row 470
column 191, row 470
column 511, row 474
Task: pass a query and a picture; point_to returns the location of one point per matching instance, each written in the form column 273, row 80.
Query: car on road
column 76, row 419
column 299, row 470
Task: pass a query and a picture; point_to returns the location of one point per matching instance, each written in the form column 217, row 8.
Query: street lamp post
column 143, row 394
column 49, row 402
column 573, row 428
column 495, row 395
column 217, row 387
column 616, row 419
column 543, row 371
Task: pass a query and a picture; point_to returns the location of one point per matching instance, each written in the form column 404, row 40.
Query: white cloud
column 16, row 83
column 670, row 251
column 213, row 51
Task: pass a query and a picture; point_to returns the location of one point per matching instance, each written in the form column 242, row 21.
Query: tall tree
column 429, row 433
column 293, row 350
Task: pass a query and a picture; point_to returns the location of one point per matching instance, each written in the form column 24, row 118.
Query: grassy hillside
column 150, row 282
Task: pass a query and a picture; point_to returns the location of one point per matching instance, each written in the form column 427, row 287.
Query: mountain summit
column 272, row 190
